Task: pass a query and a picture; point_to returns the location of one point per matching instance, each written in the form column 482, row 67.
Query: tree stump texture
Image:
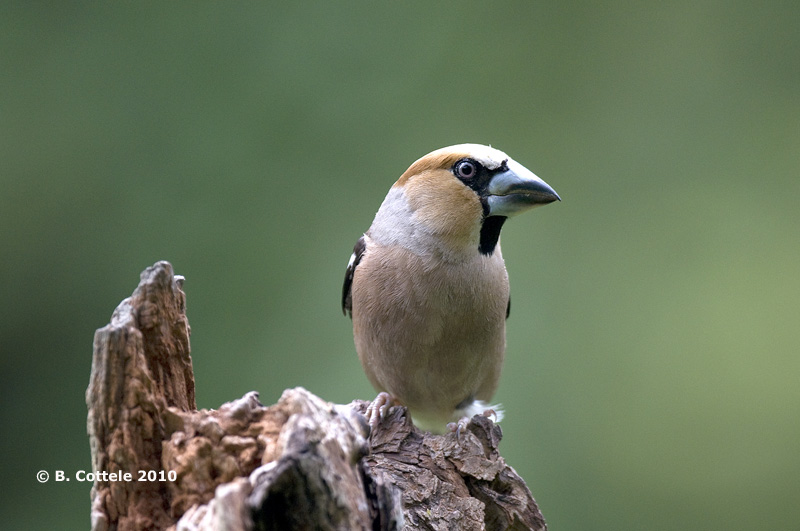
column 301, row 463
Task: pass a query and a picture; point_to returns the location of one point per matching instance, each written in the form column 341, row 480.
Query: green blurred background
column 653, row 368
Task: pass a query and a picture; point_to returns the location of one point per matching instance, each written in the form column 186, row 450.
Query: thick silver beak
column 516, row 190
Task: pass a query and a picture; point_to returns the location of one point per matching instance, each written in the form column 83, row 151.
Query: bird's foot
column 458, row 427
column 494, row 413
column 494, row 416
column 378, row 408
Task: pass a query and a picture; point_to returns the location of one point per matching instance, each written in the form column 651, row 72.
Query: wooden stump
column 301, row 463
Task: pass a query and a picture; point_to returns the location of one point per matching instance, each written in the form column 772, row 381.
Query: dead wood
column 301, row 463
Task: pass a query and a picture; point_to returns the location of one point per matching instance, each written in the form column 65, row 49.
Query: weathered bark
column 302, row 463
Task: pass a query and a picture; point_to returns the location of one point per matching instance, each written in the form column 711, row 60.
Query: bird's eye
column 465, row 169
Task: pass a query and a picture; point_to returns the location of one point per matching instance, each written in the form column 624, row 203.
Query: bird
column 427, row 288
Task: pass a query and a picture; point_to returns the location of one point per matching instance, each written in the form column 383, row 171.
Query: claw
column 458, row 427
column 378, row 408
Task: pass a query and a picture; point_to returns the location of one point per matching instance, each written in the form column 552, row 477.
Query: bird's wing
column 347, row 289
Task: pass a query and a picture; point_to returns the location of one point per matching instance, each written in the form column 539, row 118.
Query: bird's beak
column 517, row 189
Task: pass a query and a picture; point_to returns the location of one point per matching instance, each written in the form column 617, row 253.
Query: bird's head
column 462, row 195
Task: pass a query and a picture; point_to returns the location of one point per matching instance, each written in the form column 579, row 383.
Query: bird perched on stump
column 427, row 288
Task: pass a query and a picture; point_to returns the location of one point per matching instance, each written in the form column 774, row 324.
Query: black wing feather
column 347, row 289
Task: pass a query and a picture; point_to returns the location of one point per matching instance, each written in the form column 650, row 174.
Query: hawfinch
column 427, row 288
